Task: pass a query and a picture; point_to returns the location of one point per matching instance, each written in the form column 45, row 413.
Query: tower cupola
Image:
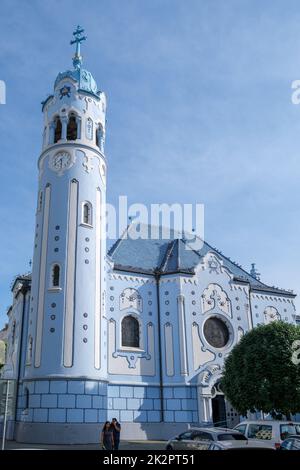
column 76, row 110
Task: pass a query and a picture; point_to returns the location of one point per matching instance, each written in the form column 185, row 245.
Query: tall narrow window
column 26, row 398
column 29, row 350
column 40, row 201
column 130, row 332
column 100, row 137
column 55, row 279
column 87, row 213
column 97, row 136
column 57, row 130
column 13, row 333
column 72, row 128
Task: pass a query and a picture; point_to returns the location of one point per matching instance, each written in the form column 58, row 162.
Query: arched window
column 100, row 137
column 57, row 130
column 130, row 332
column 87, row 213
column 55, row 275
column 72, row 128
column 26, row 398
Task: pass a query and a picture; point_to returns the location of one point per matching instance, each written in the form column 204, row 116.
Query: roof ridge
column 169, row 251
column 115, row 245
column 178, row 256
column 232, row 262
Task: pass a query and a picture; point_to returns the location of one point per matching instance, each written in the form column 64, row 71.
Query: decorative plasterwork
column 271, row 314
column 130, row 298
column 214, row 265
column 207, row 377
column 87, row 163
column 201, row 355
column 102, row 171
column 214, row 297
column 131, row 362
column 122, row 277
column 240, row 333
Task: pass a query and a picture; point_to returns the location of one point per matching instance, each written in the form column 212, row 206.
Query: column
column 97, row 222
column 64, row 124
column 42, row 280
column 51, row 133
column 182, row 335
column 78, row 122
column 70, row 275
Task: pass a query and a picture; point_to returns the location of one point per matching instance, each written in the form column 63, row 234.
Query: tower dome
column 84, row 79
column 75, row 112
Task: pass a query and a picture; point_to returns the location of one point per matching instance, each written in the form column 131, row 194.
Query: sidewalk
column 125, row 445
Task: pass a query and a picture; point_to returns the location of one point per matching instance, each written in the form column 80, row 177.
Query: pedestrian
column 116, row 427
column 107, row 436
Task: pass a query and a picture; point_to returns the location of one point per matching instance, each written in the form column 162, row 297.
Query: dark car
column 291, row 443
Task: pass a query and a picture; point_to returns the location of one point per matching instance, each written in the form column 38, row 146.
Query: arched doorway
column 223, row 414
column 213, row 408
column 218, row 406
column 219, row 411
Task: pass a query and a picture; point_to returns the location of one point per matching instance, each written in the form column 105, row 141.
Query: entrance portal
column 219, row 411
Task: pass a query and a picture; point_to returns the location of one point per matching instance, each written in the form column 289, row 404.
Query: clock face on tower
column 60, row 161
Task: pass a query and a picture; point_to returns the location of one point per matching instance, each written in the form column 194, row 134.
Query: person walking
column 107, row 436
column 116, row 428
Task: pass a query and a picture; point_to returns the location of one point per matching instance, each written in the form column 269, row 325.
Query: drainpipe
column 250, row 319
column 162, row 413
column 24, row 291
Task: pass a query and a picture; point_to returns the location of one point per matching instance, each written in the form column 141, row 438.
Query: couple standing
column 110, row 436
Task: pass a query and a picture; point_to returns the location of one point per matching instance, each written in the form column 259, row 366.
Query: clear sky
column 199, row 110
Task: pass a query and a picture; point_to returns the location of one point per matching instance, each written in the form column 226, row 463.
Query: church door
column 219, row 411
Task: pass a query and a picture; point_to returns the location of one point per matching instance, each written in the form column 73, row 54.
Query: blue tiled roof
column 170, row 255
column 84, row 78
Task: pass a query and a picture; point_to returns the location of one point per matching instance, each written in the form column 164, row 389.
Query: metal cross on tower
column 77, row 59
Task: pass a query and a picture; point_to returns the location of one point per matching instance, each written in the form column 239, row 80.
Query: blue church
column 140, row 332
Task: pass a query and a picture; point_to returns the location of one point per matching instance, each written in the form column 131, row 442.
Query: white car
column 273, row 432
column 201, row 438
column 241, row 445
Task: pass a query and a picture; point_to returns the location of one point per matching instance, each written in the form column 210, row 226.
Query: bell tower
column 67, row 331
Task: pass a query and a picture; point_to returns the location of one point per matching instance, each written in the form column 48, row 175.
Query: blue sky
column 199, row 110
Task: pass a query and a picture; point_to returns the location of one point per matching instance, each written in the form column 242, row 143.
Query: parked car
column 291, row 443
column 240, row 445
column 274, row 432
column 201, row 438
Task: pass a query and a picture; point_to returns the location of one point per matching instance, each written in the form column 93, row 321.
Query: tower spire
column 78, row 38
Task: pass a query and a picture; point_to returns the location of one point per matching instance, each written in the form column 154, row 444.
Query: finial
column 254, row 273
column 77, row 59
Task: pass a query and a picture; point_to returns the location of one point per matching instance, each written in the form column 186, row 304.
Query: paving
column 124, row 445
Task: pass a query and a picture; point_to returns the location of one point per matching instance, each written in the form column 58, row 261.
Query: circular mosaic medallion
column 216, row 332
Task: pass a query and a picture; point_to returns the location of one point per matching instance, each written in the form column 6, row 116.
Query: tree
column 259, row 373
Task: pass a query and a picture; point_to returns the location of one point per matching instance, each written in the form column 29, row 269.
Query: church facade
column 140, row 332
